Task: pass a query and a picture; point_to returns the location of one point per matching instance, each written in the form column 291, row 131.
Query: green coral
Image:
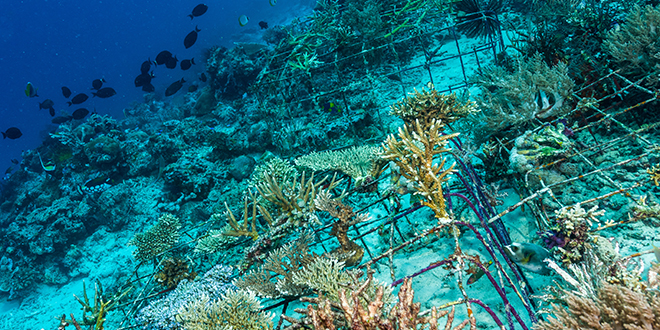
column 157, row 239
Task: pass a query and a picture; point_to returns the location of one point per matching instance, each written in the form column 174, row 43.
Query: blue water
column 71, row 43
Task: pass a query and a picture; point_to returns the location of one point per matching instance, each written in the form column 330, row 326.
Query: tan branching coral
column 429, row 105
column 249, row 225
column 157, row 239
column 357, row 309
column 234, row 310
column 294, row 199
column 419, row 156
column 274, row 278
column 357, row 162
column 654, row 173
column 345, row 219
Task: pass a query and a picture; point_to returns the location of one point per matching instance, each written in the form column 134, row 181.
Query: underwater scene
column 330, row 164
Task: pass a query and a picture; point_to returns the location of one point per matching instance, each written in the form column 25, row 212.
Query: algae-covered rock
column 241, row 168
column 206, row 102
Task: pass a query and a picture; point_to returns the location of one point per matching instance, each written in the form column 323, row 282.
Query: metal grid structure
column 467, row 189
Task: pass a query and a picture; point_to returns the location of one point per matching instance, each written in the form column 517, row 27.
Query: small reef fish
column 61, row 119
column 202, row 77
column 199, row 10
column 80, row 98
column 97, row 83
column 146, row 66
column 191, row 38
column 171, row 62
column 143, row 79
column 272, row 2
column 192, row 88
column 48, row 166
column 162, row 57
column 243, row 20
column 66, row 92
column 48, row 104
column 80, row 114
column 96, row 185
column 104, row 92
column 529, row 256
column 12, row 133
column 30, row 91
column 186, row 64
column 263, row 25
column 174, row 87
column 148, row 88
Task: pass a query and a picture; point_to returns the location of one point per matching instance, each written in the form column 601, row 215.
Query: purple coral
column 552, row 238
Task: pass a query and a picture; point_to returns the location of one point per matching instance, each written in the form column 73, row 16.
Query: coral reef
column 531, row 90
column 162, row 313
column 173, row 271
column 429, row 105
column 634, row 46
column 416, row 154
column 157, row 239
column 234, row 310
column 360, row 163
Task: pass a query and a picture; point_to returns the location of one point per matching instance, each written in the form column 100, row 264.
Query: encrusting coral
column 157, row 239
column 174, row 271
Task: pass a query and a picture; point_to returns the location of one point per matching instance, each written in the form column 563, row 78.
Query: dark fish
column 162, row 57
column 80, row 98
column 174, row 87
column 202, row 77
column 146, row 66
column 46, row 104
column 12, row 133
column 51, row 111
column 30, row 91
column 148, row 87
column 143, row 79
column 66, row 92
column 199, row 10
column 263, row 25
column 15, row 162
column 191, row 38
column 60, row 119
column 104, row 92
column 171, row 62
column 80, row 113
column 97, row 83
column 192, row 88
column 186, row 64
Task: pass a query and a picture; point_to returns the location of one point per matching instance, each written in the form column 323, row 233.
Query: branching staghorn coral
column 419, row 156
column 249, row 219
column 294, row 199
column 428, row 105
column 274, row 279
column 345, row 219
column 357, row 308
column 157, row 239
column 357, row 162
